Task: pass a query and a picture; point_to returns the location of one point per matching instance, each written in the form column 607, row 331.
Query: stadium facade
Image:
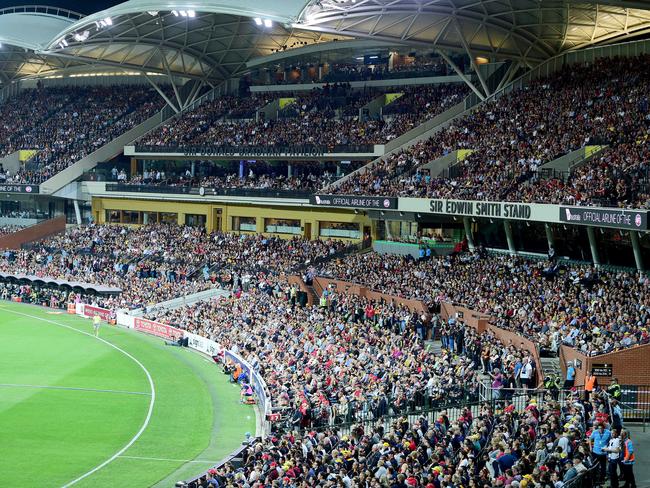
column 192, row 53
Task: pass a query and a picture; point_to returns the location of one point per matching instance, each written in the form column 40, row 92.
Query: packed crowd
column 595, row 311
column 364, row 400
column 310, row 119
column 546, row 445
column 9, row 229
column 260, row 175
column 185, row 128
column 311, row 356
column 24, row 214
column 66, row 124
column 511, row 137
column 155, row 263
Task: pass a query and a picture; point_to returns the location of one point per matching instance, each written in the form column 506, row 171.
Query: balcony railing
column 306, row 150
column 190, row 190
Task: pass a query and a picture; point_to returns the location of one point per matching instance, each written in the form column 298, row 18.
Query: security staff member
column 627, row 463
column 614, row 389
column 591, row 382
column 552, row 385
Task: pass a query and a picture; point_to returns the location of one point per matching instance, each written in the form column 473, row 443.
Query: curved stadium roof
column 212, row 40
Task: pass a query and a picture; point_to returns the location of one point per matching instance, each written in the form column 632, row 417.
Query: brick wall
column 630, row 366
column 344, row 286
column 481, row 322
column 33, row 233
column 297, row 280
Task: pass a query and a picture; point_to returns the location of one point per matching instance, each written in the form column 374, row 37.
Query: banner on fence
column 90, row 311
column 203, row 344
column 157, row 329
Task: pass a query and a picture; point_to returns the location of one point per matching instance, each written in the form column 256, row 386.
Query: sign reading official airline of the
column 353, row 201
column 605, row 217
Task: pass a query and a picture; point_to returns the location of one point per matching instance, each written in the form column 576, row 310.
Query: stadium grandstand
column 325, row 243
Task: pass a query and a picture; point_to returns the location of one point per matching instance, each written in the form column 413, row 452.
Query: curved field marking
column 146, row 372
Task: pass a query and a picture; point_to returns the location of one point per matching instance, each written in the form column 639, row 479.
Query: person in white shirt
column 613, row 451
column 526, row 374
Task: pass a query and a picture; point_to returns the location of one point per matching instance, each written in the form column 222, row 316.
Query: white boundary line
column 200, row 461
column 151, row 402
column 72, row 388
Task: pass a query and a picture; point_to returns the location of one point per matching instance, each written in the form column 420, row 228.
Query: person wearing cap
column 570, row 376
column 599, row 439
column 576, row 468
column 627, row 462
column 552, row 385
column 614, row 389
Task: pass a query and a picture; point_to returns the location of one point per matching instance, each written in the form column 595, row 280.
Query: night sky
column 82, row 6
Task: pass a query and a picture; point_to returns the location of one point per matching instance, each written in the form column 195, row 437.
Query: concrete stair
column 551, row 366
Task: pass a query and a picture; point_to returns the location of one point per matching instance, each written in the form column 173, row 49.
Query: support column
column 338, row 170
column 145, row 218
column 134, row 167
column 289, row 171
column 549, row 235
column 77, row 212
column 509, row 237
column 468, row 233
column 591, row 233
column 193, row 170
column 636, row 247
column 389, row 234
column 241, row 169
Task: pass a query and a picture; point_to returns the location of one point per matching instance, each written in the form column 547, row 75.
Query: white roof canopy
column 213, row 40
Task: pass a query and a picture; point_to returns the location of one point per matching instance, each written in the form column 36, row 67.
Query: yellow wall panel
column 306, row 215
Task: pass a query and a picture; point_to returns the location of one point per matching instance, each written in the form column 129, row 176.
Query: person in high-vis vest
column 627, row 461
column 614, row 389
column 323, row 301
column 591, row 382
column 552, row 385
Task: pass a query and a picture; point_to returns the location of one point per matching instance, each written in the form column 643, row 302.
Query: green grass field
column 70, row 402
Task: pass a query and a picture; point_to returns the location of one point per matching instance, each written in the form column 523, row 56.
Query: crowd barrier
column 182, row 301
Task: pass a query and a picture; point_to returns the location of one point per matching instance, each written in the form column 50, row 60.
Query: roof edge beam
column 462, row 75
column 161, row 93
column 463, row 41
